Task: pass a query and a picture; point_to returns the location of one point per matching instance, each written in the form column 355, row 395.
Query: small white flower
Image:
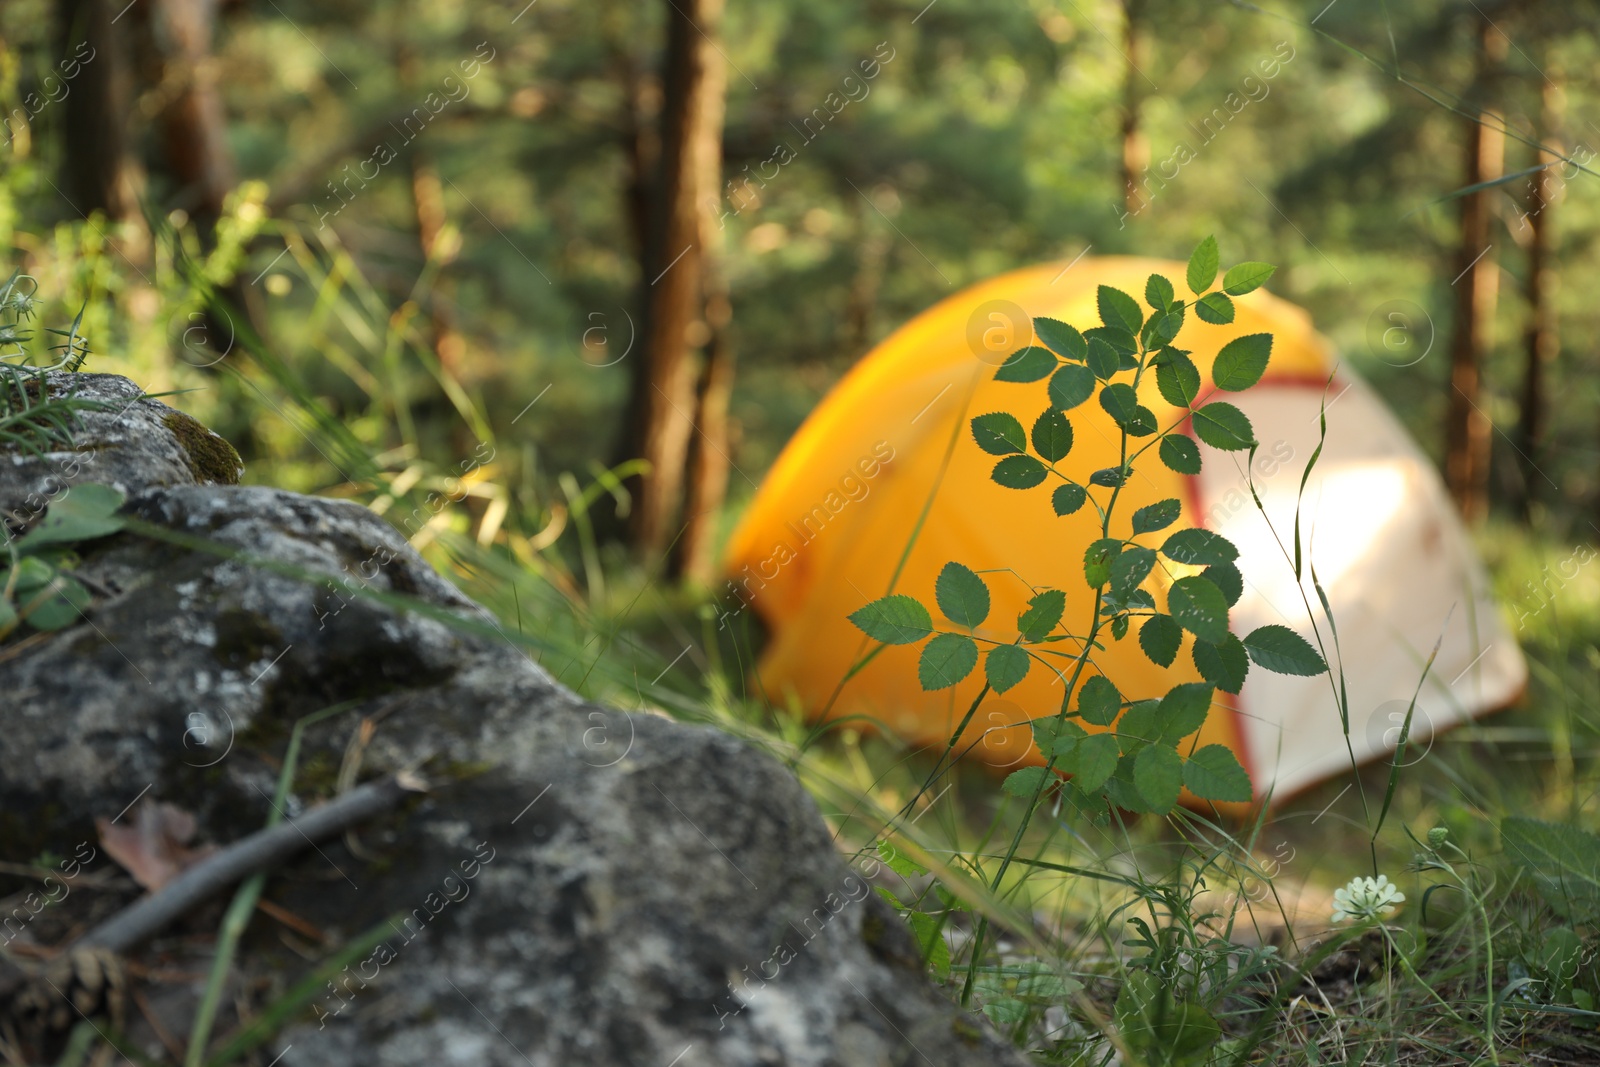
column 1366, row 898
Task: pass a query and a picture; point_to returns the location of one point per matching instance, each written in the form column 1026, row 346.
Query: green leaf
column 899, row 862
column 1061, row 338
column 1282, row 651
column 1182, row 711
column 1199, row 547
column 1122, row 342
column 1052, row 435
column 1158, row 775
column 999, row 434
column 57, row 605
column 1160, row 638
column 1042, row 615
column 1203, row 264
column 1070, row 386
column 1162, row 326
column 1159, row 1027
column 1119, row 626
column 946, row 660
column 1099, row 701
column 1103, row 359
column 1057, row 738
column 1221, row 425
column 1246, row 277
column 962, row 595
column 1224, row 665
column 1157, row 516
column 1242, row 362
column 928, row 930
column 1119, row 401
column 1198, row 606
column 1119, row 309
column 82, row 513
column 1130, row 568
column 1019, row 472
column 1226, row 577
column 1158, row 292
column 894, row 620
column 1110, row 477
column 1097, row 561
column 1180, row 454
column 1097, row 761
column 1026, row 365
column 1215, row 309
column 1213, row 773
column 1026, row 782
column 1564, row 861
column 1068, row 498
column 8, row 614
column 1005, row 666
column 1177, row 378
column 31, row 573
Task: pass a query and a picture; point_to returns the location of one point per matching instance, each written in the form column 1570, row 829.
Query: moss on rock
column 210, row 458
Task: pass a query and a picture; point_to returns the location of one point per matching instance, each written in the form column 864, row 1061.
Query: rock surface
column 580, row 886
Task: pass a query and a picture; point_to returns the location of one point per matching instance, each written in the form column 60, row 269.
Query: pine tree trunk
column 193, row 125
column 1541, row 343
column 663, row 401
column 1477, row 274
column 1135, row 150
column 98, row 171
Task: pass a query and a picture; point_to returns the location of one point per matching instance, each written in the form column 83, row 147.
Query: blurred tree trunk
column 1542, row 342
column 194, row 128
column 663, row 402
column 707, row 466
column 194, row 131
column 1135, row 150
column 1467, row 425
column 871, row 261
column 98, row 171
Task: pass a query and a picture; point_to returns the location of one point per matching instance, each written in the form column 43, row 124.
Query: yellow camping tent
column 827, row 532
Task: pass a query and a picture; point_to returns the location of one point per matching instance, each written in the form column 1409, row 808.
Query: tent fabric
column 828, row 532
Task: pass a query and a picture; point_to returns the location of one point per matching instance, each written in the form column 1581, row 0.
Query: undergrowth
column 1087, row 935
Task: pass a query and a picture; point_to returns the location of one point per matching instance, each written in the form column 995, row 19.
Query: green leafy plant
column 31, row 420
column 1134, row 756
column 37, row 586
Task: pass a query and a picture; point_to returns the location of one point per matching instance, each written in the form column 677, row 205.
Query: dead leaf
column 152, row 846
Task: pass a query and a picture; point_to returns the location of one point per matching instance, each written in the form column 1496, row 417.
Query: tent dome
column 829, row 529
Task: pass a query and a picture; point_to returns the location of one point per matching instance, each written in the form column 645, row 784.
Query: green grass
column 1112, row 936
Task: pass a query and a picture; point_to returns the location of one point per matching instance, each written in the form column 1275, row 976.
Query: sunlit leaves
column 1221, row 425
column 1099, row 701
column 1157, row 516
column 1177, row 378
column 1242, row 362
column 1052, row 435
column 1060, row 337
column 894, row 620
column 1213, row 773
column 1198, row 547
column 1160, row 637
column 1158, row 292
column 1119, row 309
column 1006, row 665
column 1042, row 615
column 1224, row 664
column 1096, row 762
column 946, row 660
column 1198, row 606
column 1180, row 454
column 1019, row 472
column 1070, row 386
column 1026, row 365
column 962, row 595
column 1097, row 561
column 1158, row 775
column 1203, row 264
column 1281, row 650
column 1246, row 277
column 999, row 433
column 1214, row 308
column 1068, row 498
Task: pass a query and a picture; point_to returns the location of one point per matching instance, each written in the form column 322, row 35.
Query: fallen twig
column 262, row 849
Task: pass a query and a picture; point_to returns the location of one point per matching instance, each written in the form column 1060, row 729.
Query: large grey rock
column 581, row 886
